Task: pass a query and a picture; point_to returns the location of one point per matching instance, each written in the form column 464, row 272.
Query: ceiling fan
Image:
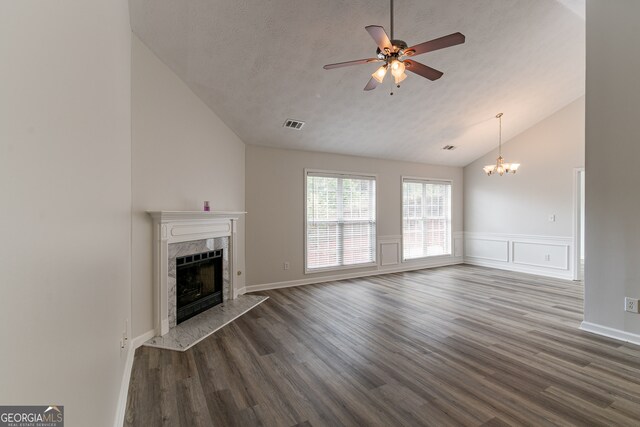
column 395, row 53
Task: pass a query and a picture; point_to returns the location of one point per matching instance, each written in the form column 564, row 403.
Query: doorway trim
column 577, row 239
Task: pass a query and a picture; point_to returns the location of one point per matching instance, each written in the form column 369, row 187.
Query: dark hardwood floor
column 455, row 345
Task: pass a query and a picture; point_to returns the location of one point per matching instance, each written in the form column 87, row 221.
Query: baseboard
column 610, row 332
column 560, row 274
column 143, row 338
column 355, row 275
column 126, row 376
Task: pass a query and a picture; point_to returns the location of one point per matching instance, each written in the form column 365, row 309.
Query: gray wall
column 275, row 205
column 65, row 180
column 612, row 152
column 521, row 203
column 182, row 155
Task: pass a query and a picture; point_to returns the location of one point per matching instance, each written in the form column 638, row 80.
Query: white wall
column 275, row 206
column 65, row 141
column 182, row 155
column 507, row 218
column 613, row 150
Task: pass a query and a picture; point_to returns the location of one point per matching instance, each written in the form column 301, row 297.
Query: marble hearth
column 192, row 331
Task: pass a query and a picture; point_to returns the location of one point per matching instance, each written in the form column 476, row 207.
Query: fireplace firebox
column 198, row 283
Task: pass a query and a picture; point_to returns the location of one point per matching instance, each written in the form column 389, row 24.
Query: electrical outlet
column 547, row 257
column 125, row 335
column 552, row 218
column 285, row 266
column 631, row 305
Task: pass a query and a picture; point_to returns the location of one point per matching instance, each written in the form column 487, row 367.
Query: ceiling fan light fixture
column 394, row 52
column 397, row 68
column 399, row 79
column 380, row 73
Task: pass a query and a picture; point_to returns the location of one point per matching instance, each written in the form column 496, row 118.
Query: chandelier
column 501, row 167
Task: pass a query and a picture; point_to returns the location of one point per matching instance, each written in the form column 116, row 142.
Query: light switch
column 552, row 218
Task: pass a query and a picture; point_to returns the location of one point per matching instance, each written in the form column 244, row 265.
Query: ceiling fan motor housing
column 399, row 47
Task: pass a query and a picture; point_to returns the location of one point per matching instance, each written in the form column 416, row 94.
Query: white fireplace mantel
column 184, row 226
column 167, row 216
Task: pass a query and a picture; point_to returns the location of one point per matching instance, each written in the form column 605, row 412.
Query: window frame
column 426, row 181
column 372, row 176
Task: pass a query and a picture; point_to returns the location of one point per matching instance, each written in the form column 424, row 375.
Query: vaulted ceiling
column 256, row 63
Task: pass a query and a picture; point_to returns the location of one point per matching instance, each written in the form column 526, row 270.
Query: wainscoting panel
column 458, row 244
column 488, row 249
column 543, row 255
column 389, row 250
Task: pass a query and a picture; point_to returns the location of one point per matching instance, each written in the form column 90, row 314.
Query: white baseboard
column 610, row 332
column 141, row 339
column 566, row 275
column 409, row 266
column 126, row 376
column 124, row 389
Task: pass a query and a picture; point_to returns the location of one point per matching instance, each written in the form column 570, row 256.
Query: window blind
column 426, row 218
column 341, row 220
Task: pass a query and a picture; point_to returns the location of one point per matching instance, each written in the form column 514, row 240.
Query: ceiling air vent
column 449, row 147
column 293, row 124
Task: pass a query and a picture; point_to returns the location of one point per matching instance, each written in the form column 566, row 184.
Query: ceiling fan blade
column 441, row 43
column 348, row 63
column 373, row 83
column 380, row 36
column 422, row 70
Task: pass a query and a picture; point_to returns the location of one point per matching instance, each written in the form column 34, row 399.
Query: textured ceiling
column 259, row 62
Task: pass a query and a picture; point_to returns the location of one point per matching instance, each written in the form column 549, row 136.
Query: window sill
column 340, row 268
column 408, row 260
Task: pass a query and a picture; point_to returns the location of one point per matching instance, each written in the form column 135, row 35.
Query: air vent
column 293, row 124
column 449, row 147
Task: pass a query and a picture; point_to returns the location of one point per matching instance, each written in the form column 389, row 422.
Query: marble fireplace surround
column 179, row 233
column 193, row 247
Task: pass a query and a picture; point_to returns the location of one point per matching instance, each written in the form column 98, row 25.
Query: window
column 341, row 220
column 426, row 218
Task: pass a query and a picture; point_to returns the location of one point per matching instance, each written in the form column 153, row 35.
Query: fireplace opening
column 198, row 283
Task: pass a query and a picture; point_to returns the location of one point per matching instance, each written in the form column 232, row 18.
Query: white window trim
column 423, row 180
column 374, row 263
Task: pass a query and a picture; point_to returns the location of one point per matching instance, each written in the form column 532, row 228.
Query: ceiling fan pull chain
column 391, row 93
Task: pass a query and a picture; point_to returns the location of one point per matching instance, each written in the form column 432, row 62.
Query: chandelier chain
column 499, row 116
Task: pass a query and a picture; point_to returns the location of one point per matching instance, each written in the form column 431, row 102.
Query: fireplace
column 199, row 282
column 179, row 234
